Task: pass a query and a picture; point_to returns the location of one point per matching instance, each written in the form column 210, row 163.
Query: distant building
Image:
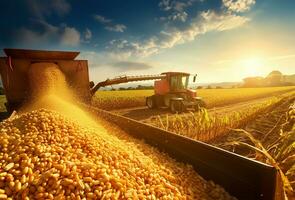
column 257, row 81
column 274, row 78
column 289, row 79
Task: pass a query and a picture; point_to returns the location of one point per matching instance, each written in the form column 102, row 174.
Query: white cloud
column 203, row 23
column 70, row 37
column 50, row 34
column 42, row 8
column 165, row 5
column 238, row 5
column 176, row 5
column 116, row 28
column 109, row 25
column 226, row 21
column 176, row 9
column 180, row 6
column 181, row 16
column 87, row 34
column 131, row 65
column 102, row 19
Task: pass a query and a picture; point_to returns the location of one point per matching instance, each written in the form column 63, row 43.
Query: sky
column 220, row 40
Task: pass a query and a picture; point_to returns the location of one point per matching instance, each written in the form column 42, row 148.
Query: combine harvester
column 243, row 178
column 171, row 90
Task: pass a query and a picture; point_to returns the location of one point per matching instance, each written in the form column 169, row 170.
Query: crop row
column 110, row 100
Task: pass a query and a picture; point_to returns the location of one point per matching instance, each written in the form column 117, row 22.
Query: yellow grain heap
column 46, row 154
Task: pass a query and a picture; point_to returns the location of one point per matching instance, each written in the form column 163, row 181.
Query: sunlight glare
column 252, row 66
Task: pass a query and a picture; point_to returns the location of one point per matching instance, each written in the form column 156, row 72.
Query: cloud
column 70, row 37
column 205, row 22
column 176, row 16
column 176, row 9
column 109, row 25
column 130, row 65
column 123, row 49
column 178, row 5
column 87, row 34
column 102, row 19
column 238, row 5
column 48, row 34
column 221, row 22
column 116, row 28
column 108, row 61
column 42, row 8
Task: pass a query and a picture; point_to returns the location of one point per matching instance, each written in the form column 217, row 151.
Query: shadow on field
column 4, row 115
column 143, row 113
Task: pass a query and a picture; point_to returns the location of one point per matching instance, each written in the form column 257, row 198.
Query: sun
column 252, row 66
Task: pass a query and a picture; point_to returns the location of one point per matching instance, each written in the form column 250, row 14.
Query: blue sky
column 221, row 40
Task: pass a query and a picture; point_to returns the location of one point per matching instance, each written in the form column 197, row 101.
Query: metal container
column 14, row 73
column 242, row 177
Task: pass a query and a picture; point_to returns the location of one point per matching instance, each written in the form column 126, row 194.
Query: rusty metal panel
column 41, row 54
column 242, row 177
column 16, row 84
column 14, row 79
column 77, row 75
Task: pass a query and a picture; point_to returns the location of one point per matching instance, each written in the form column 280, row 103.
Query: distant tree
column 253, row 81
column 200, row 87
column 219, row 87
column 274, row 78
column 141, row 87
column 209, row 87
column 122, row 88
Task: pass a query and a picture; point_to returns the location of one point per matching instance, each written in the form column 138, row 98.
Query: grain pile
column 48, row 154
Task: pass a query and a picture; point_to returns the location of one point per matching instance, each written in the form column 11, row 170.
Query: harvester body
column 173, row 92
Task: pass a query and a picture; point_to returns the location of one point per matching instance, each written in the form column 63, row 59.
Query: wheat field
column 213, row 97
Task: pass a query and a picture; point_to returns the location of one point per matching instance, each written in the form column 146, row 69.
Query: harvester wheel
column 150, row 102
column 176, row 106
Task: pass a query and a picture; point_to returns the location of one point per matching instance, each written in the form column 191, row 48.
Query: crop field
column 268, row 138
column 205, row 126
column 110, row 100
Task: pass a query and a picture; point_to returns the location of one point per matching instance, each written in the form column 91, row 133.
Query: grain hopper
column 14, row 73
column 241, row 177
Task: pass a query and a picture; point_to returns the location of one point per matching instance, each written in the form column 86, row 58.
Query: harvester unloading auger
column 241, row 177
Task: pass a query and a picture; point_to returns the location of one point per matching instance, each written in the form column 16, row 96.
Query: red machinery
column 171, row 90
